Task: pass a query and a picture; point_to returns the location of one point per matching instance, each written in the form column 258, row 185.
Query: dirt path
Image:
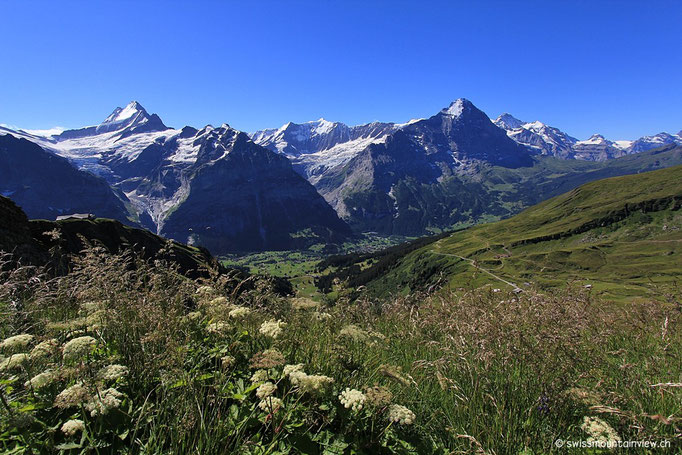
column 473, row 264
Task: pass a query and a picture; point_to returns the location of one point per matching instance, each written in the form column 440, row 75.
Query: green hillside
column 622, row 236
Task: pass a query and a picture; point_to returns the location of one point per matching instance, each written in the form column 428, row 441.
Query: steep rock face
column 15, row 234
column 250, row 199
column 47, row 186
column 424, row 174
column 467, row 134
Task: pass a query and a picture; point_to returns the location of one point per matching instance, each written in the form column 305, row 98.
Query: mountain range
column 313, row 182
column 213, row 187
column 456, row 167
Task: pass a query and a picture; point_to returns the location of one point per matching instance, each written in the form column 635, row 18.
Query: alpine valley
column 319, row 182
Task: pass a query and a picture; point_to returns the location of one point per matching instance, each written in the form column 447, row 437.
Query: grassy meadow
column 621, row 237
column 121, row 356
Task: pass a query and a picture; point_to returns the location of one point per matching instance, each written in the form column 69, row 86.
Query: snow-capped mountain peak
column 594, row 139
column 133, row 110
column 456, row 107
column 539, row 137
column 506, row 121
column 133, row 118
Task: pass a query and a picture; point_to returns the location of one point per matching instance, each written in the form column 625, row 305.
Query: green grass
column 622, row 236
column 481, row 371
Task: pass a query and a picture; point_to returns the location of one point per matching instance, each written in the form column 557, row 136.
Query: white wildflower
column 354, row 333
column 16, row 343
column 270, row 404
column 112, row 372
column 310, row 383
column 194, row 316
column 40, row 380
column 79, row 347
column 105, row 401
column 71, row 427
column 239, row 312
column 77, row 333
column 218, row 301
column 352, row 398
column 259, row 376
column 289, row 369
column 218, row 327
column 266, row 389
column 14, row 361
column 45, row 348
column 599, row 430
column 272, row 328
column 72, row 396
column 400, row 414
column 96, row 320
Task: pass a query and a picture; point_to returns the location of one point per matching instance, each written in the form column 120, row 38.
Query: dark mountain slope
column 250, row 198
column 418, row 178
column 46, row 185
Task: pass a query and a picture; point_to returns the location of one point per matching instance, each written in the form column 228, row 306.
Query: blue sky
column 612, row 67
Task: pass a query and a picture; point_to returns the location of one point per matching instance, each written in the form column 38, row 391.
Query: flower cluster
column 218, row 327
column 218, row 301
column 599, row 430
column 355, row 333
column 265, row 390
column 321, row 316
column 194, row 316
column 239, row 312
column 112, row 372
column 259, row 376
column 270, row 404
column 205, row 291
column 71, row 427
column 272, row 328
column 104, row 401
column 352, row 398
column 400, row 414
column 79, row 347
column 40, row 380
column 312, row 384
column 75, row 395
column 16, row 343
column 227, row 361
column 14, row 361
column 289, row 369
column 45, row 348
